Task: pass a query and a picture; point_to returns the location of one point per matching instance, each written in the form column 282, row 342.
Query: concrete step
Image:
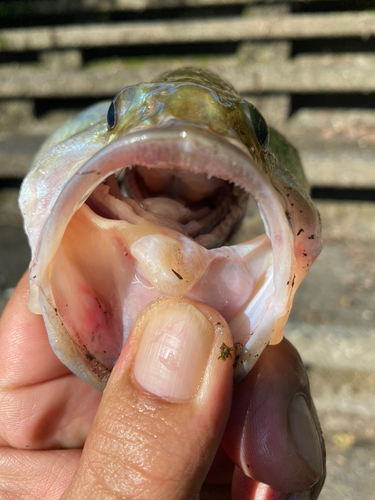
column 290, row 26
column 307, row 75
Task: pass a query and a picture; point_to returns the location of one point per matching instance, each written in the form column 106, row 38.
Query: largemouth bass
column 138, row 198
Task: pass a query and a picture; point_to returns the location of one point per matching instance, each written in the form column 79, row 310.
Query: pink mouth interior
column 95, row 261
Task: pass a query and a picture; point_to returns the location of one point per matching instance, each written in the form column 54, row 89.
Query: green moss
column 225, row 352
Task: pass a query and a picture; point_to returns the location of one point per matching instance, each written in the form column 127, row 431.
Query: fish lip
column 187, row 147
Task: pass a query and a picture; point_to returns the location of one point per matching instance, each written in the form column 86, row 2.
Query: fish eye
column 262, row 131
column 111, row 116
column 259, row 125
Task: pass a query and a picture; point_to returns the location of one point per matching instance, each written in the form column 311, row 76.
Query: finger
column 36, row 474
column 26, row 356
column 273, row 432
column 245, row 488
column 42, row 404
column 164, row 409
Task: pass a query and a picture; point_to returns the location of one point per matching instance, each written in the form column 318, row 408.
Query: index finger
column 42, row 403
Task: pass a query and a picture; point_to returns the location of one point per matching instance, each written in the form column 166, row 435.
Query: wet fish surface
column 143, row 197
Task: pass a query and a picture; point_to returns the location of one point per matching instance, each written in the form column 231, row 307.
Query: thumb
column 164, row 409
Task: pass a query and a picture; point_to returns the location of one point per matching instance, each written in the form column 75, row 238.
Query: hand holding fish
column 131, row 210
column 152, row 437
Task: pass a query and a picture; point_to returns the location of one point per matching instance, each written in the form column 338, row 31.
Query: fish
column 144, row 197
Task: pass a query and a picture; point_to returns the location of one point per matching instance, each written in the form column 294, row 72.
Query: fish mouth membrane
column 206, row 209
column 147, row 217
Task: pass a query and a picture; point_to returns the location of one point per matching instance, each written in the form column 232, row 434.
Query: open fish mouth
column 148, row 216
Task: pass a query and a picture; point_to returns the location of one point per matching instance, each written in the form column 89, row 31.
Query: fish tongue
column 172, row 263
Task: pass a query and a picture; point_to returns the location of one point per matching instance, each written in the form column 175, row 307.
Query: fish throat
column 207, row 209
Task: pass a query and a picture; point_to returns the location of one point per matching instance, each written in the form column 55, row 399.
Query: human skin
column 138, row 444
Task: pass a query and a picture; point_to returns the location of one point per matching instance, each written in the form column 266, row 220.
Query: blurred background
column 309, row 66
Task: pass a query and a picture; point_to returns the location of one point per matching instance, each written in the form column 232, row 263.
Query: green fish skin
column 138, row 199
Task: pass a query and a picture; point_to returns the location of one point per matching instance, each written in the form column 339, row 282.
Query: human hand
column 140, row 445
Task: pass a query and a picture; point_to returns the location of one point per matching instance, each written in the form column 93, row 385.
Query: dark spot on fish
column 288, row 215
column 218, row 323
column 55, row 310
column 105, row 352
column 304, row 254
column 260, row 126
column 292, row 204
column 287, row 282
column 34, row 276
column 88, row 354
column 294, row 278
column 176, row 273
column 311, row 237
column 288, row 195
column 126, row 254
column 300, row 231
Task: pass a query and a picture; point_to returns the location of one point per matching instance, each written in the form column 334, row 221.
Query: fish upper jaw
column 268, row 263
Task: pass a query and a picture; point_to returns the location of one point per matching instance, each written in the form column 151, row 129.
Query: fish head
column 138, row 199
column 190, row 96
